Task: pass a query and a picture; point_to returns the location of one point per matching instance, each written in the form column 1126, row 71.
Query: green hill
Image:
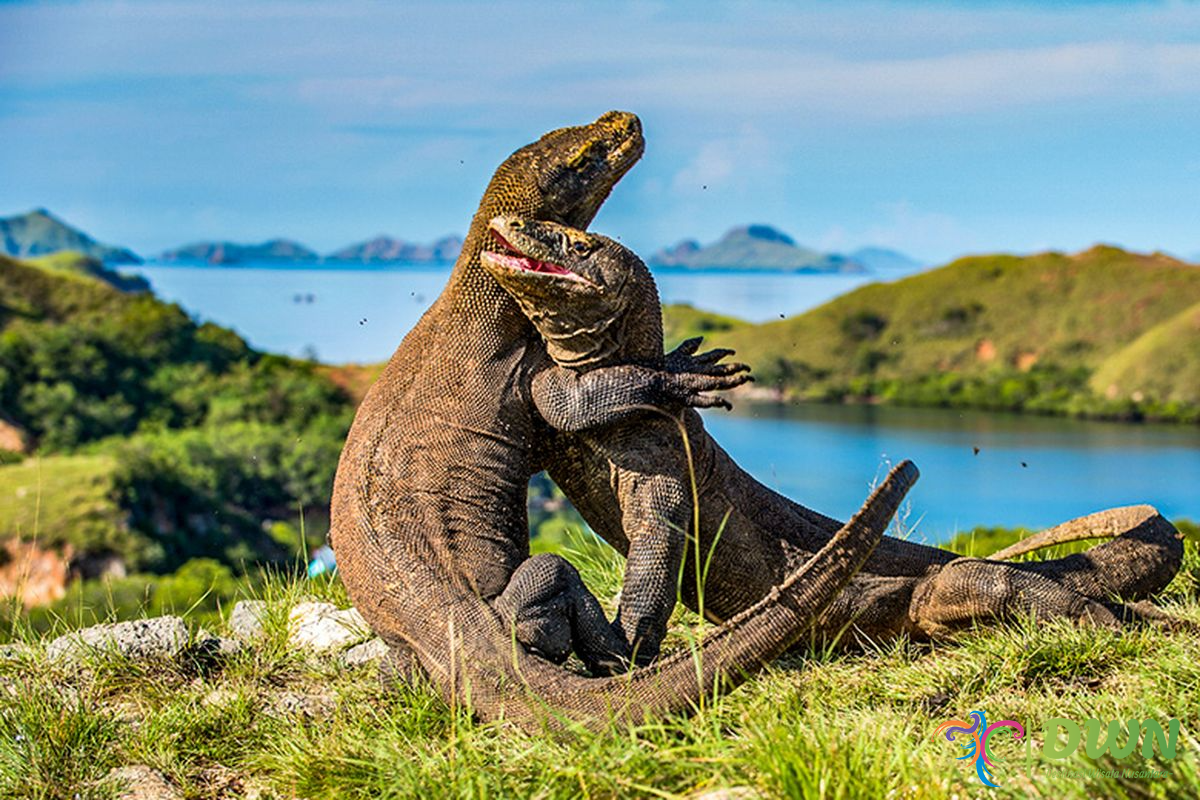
column 173, row 440
column 70, row 262
column 1164, row 363
column 40, row 233
column 1049, row 332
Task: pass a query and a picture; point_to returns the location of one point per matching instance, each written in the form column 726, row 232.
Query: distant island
column 767, row 248
column 751, row 247
column 385, row 249
column 380, row 250
column 233, row 253
column 40, row 233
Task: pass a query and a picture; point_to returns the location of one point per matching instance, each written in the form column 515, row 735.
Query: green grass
column 61, row 500
column 824, row 724
column 1164, row 362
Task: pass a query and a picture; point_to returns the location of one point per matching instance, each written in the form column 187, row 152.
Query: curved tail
column 1102, row 525
column 1144, row 554
column 471, row 655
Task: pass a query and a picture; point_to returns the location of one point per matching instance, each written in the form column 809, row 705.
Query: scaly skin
column 428, row 513
column 630, row 481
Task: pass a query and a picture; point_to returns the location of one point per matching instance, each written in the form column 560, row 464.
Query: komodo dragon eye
column 581, row 248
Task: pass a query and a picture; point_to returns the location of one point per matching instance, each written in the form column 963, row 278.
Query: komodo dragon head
column 574, row 169
column 592, row 300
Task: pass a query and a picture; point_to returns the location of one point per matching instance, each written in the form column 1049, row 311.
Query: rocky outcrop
column 148, row 639
column 34, row 575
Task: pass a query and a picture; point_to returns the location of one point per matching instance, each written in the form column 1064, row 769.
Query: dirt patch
column 38, row 576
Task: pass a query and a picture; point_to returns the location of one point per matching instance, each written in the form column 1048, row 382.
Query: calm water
column 823, row 456
column 1030, row 471
column 360, row 315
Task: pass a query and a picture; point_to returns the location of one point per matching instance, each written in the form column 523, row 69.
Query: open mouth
column 513, row 258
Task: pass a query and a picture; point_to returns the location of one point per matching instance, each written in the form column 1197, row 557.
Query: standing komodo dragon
column 428, row 513
column 595, row 305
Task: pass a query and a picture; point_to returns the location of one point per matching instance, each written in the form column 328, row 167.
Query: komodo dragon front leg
column 552, row 611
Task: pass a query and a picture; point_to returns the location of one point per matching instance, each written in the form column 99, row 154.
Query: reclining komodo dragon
column 595, row 304
column 428, row 513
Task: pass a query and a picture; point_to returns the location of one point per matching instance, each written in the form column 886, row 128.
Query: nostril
column 516, row 224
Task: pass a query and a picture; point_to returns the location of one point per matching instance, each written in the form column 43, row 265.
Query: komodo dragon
column 595, row 304
column 428, row 518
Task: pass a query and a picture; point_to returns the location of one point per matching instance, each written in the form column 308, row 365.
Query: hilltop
column 885, row 262
column 1102, row 332
column 40, row 233
column 70, row 262
column 753, row 247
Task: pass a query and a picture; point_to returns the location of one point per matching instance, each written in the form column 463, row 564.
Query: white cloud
column 723, row 162
column 766, row 84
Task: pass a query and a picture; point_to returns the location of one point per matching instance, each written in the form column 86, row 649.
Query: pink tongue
column 530, row 264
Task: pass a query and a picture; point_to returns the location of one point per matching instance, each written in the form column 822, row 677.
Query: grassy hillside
column 71, row 262
column 1164, row 362
column 63, row 500
column 158, row 440
column 1024, row 333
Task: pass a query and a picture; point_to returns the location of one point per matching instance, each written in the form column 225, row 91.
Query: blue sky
column 936, row 128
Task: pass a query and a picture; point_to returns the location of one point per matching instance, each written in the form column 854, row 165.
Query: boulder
column 323, row 627
column 154, row 638
column 247, row 619
column 366, row 653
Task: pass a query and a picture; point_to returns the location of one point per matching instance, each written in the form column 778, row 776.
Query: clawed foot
column 690, row 375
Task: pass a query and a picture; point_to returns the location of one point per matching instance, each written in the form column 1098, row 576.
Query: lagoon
column 1030, row 471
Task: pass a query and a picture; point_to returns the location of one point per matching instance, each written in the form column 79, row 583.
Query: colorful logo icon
column 976, row 740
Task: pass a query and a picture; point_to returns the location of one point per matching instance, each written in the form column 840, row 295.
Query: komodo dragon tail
column 471, row 655
column 1144, row 554
column 1101, row 525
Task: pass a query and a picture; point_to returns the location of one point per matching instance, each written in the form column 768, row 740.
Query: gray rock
column 247, row 618
column 139, row 782
column 366, row 653
column 295, row 704
column 158, row 637
column 16, row 652
column 322, row 627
